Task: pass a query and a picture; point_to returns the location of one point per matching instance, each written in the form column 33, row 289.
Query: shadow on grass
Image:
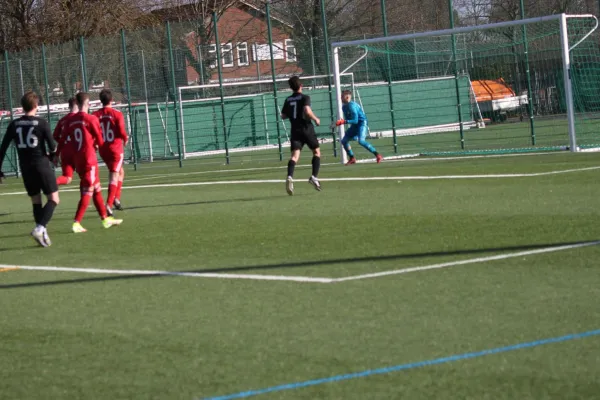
column 62, row 211
column 195, row 203
column 298, row 264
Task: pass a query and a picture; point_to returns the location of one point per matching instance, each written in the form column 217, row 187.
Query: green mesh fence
column 433, row 88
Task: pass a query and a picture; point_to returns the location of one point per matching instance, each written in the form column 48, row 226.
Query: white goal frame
column 565, row 49
column 306, row 83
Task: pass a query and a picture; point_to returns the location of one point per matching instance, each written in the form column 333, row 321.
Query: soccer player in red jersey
column 87, row 135
column 112, row 124
column 66, row 149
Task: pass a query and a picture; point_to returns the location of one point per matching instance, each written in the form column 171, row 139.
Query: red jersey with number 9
column 112, row 124
column 84, row 130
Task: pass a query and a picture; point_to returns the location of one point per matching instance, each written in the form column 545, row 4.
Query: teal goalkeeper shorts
column 356, row 132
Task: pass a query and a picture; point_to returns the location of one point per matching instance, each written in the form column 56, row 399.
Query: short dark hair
column 295, row 83
column 345, row 92
column 72, row 103
column 81, row 97
column 106, row 97
column 29, row 101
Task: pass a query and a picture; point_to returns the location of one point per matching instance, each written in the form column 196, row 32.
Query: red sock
column 99, row 203
column 119, row 187
column 84, row 202
column 62, row 180
column 112, row 191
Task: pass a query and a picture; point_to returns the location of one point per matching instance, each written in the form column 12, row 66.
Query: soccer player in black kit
column 297, row 110
column 35, row 146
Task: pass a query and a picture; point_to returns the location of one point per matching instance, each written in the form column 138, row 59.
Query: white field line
column 468, row 261
column 172, row 273
column 374, row 178
column 304, row 279
column 366, row 160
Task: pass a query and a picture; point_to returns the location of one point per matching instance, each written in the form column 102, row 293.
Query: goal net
column 531, row 83
column 244, row 122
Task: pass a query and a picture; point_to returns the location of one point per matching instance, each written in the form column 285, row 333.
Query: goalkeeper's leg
column 363, row 142
column 362, row 136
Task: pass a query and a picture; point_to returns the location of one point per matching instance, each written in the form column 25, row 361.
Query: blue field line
column 387, row 370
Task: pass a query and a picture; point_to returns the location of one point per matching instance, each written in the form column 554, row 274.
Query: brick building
column 245, row 51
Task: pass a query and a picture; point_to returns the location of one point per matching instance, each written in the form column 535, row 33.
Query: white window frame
column 290, row 43
column 242, row 47
column 179, row 60
column 227, row 47
column 212, row 55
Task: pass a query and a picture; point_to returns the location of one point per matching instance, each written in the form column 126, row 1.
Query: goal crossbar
column 464, row 29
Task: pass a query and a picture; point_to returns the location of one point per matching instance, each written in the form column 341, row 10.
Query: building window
column 290, row 51
column 212, row 55
column 179, row 60
column 227, row 54
column 242, row 50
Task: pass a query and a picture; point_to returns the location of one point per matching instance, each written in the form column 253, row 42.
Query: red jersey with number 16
column 84, row 130
column 112, row 124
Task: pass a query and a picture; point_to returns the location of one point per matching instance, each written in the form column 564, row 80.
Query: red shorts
column 90, row 177
column 113, row 160
column 67, row 163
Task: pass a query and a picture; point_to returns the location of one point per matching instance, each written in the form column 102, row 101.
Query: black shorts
column 39, row 178
column 305, row 136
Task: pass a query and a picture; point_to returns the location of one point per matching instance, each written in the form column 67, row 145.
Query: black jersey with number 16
column 32, row 138
column 294, row 110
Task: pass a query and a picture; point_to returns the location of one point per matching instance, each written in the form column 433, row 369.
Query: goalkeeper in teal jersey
column 356, row 118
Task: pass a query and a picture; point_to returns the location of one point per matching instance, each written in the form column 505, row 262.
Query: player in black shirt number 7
column 35, row 146
column 297, row 110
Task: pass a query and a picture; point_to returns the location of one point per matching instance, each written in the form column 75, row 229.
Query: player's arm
column 47, row 135
column 285, row 112
column 121, row 128
column 309, row 112
column 57, row 131
column 353, row 112
column 96, row 131
column 4, row 146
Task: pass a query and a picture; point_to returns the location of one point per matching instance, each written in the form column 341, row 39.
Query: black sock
column 291, row 166
column 316, row 164
column 48, row 211
column 375, row 154
column 37, row 213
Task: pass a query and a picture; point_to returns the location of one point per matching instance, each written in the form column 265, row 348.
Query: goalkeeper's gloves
column 338, row 123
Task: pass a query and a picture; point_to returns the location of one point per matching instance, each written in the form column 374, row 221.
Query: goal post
column 560, row 51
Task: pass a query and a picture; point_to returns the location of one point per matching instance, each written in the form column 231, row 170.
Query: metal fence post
column 46, row 83
column 128, row 89
column 10, row 106
column 328, row 69
column 219, row 69
column 528, row 76
column 83, row 64
column 277, row 113
column 456, row 85
column 389, row 75
column 174, row 92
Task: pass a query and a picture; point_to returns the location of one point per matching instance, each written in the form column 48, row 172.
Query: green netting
column 517, row 57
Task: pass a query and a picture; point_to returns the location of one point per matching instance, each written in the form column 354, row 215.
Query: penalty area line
column 468, row 261
column 171, row 273
column 301, row 279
